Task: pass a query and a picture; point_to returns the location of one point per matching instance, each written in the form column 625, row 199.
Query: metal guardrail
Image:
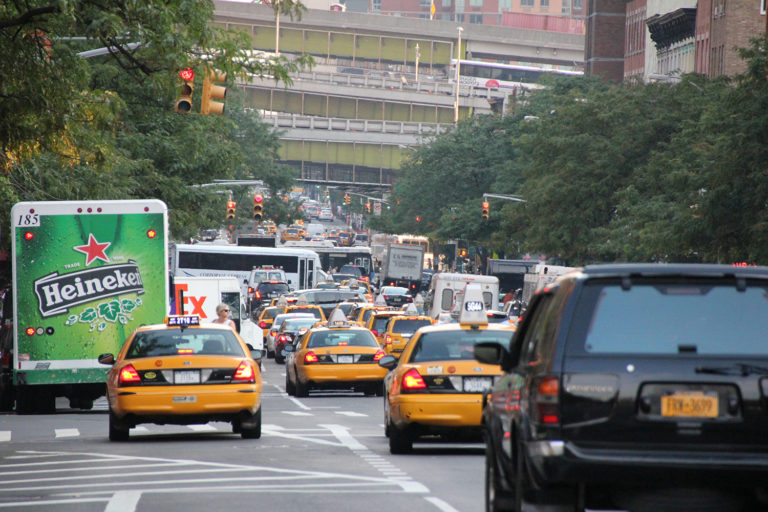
column 298, row 121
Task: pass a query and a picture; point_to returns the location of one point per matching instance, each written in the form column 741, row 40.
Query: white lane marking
column 39, row 503
column 301, row 405
column 5, row 435
column 280, row 433
column 440, row 504
column 123, row 501
column 140, row 429
column 352, row 414
column 59, row 471
column 67, row 432
column 123, row 474
column 345, row 438
column 298, row 413
column 203, row 428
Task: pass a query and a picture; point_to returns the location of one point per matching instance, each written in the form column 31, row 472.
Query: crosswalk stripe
column 5, row 435
column 67, row 432
column 352, row 414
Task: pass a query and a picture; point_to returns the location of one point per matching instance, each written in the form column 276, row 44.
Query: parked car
column 639, row 387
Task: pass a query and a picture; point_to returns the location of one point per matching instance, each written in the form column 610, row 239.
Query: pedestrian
column 222, row 310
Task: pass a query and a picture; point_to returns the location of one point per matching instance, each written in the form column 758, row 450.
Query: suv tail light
column 413, row 381
column 245, row 373
column 129, row 375
column 258, row 295
column 310, row 357
column 546, row 399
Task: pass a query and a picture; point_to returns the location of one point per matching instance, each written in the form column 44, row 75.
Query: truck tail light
column 546, row 398
column 129, row 375
column 310, row 357
column 245, row 373
column 413, row 381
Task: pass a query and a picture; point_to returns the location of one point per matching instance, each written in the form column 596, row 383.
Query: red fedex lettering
column 197, row 304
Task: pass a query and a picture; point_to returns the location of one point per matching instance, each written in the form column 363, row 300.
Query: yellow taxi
column 307, row 308
column 437, row 386
column 337, row 355
column 400, row 328
column 377, row 323
column 354, row 284
column 270, row 226
column 363, row 312
column 267, row 316
column 291, row 234
column 183, row 373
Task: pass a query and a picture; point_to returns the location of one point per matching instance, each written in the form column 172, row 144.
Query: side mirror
column 107, row 359
column 256, row 353
column 490, row 352
column 388, row 362
column 289, row 348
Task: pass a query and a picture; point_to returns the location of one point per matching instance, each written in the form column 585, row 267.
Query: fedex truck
column 85, row 274
column 200, row 296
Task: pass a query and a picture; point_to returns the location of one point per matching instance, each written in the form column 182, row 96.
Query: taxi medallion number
column 477, row 384
column 694, row 404
column 346, row 359
column 186, row 377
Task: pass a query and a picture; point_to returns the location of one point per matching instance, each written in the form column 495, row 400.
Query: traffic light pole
column 506, row 198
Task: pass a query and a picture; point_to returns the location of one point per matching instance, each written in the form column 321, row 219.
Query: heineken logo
column 57, row 293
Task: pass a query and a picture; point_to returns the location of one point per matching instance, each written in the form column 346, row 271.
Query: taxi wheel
column 253, row 432
column 400, row 441
column 117, row 430
column 302, row 390
column 290, row 388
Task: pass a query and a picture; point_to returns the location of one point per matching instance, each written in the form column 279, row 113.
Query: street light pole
column 417, row 62
column 277, row 30
column 458, row 70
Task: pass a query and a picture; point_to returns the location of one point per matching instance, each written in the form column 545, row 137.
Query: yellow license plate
column 693, row 404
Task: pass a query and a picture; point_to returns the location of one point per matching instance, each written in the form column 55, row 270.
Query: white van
column 446, row 292
column 200, row 296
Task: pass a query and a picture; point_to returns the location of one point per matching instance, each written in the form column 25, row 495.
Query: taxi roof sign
column 472, row 310
column 380, row 301
column 411, row 309
column 337, row 319
column 182, row 320
column 282, row 301
column 418, row 300
column 301, row 300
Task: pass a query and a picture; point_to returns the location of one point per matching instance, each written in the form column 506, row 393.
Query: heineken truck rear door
column 85, row 275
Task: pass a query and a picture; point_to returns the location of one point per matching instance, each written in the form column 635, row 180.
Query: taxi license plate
column 185, row 399
column 690, row 404
column 346, row 359
column 186, row 377
column 476, row 384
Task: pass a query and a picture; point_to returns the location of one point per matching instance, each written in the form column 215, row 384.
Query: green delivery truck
column 85, row 275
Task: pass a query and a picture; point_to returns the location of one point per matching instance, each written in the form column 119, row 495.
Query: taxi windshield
column 408, row 325
column 173, row 342
column 380, row 323
column 454, row 345
column 336, row 338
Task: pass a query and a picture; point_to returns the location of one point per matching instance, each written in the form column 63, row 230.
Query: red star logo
column 94, row 250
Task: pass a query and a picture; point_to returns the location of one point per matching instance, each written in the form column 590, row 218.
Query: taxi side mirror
column 257, row 354
column 107, row 359
column 388, row 362
column 289, row 348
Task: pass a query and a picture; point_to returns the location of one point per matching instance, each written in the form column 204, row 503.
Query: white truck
column 446, row 292
column 540, row 276
column 403, row 266
column 200, row 296
column 85, row 275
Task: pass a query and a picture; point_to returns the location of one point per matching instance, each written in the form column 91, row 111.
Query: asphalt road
column 326, row 452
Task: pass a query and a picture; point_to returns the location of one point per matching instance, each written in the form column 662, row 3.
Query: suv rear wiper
column 737, row 369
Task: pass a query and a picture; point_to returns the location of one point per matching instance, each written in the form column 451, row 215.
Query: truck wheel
column 252, row 432
column 118, row 431
column 400, row 441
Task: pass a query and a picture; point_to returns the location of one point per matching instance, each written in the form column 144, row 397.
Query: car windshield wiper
column 737, row 369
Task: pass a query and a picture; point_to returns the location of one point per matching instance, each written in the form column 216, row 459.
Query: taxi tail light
column 263, row 324
column 546, row 399
column 374, row 332
column 388, row 340
column 310, row 357
column 413, row 381
column 378, row 355
column 129, row 375
column 245, row 373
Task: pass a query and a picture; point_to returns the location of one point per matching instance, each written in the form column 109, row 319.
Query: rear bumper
column 554, row 462
column 348, row 373
column 462, row 411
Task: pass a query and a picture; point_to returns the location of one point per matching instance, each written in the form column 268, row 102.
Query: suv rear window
column 408, row 326
column 702, row 318
column 278, row 288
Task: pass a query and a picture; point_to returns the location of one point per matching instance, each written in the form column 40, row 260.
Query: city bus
column 493, row 75
column 337, row 257
column 299, row 265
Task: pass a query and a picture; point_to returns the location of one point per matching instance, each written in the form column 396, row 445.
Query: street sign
column 377, row 208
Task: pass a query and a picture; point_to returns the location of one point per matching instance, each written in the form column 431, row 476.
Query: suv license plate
column 186, row 377
column 476, row 384
column 346, row 359
column 693, row 404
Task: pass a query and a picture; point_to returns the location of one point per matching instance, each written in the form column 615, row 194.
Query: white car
column 325, row 215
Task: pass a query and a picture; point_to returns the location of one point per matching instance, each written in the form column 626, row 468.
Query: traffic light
column 418, row 218
column 258, row 207
column 347, row 199
column 231, row 208
column 486, row 210
column 184, row 102
column 212, row 92
column 368, row 207
column 327, row 195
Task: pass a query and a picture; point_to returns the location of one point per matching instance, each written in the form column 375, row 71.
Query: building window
column 526, row 3
column 376, row 5
column 447, row 4
column 475, row 3
column 566, row 6
column 476, row 18
column 545, row 4
column 505, row 5
column 578, row 5
column 460, row 18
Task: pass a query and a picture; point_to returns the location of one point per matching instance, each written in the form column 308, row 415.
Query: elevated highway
column 360, row 111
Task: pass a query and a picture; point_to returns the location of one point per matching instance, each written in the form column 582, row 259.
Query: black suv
column 265, row 291
column 643, row 387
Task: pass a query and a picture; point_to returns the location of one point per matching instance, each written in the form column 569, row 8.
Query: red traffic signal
column 231, row 210
column 258, row 198
column 486, row 210
column 418, row 218
column 187, row 74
